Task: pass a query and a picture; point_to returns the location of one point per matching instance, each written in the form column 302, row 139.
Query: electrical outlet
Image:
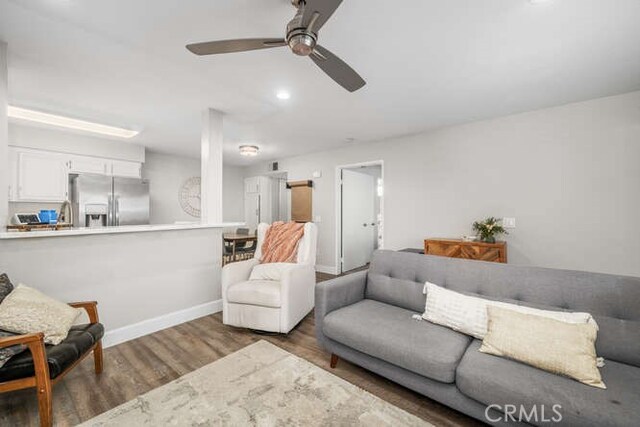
column 317, row 219
column 509, row 222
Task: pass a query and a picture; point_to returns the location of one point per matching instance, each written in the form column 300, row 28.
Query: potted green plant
column 488, row 229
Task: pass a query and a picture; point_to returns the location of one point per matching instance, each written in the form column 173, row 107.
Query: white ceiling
column 428, row 64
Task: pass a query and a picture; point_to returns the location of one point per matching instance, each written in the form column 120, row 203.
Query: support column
column 211, row 164
column 4, row 137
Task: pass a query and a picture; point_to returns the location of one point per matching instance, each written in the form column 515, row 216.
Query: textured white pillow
column 270, row 271
column 468, row 314
column 548, row 344
column 28, row 311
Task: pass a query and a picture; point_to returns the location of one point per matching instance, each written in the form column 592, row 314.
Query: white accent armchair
column 271, row 305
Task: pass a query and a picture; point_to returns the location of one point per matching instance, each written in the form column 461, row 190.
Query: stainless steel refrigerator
column 103, row 201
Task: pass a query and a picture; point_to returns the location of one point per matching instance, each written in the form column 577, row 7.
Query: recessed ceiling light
column 249, row 150
column 68, row 123
column 283, row 94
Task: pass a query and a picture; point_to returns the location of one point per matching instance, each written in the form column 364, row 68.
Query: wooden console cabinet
column 457, row 248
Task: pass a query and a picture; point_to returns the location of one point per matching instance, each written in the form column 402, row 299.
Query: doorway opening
column 266, row 199
column 360, row 214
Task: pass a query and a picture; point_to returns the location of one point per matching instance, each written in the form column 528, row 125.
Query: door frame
column 338, row 193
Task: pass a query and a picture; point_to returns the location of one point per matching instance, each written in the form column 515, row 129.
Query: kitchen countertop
column 113, row 230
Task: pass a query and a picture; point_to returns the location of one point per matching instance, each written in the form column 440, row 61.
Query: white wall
column 4, row 144
column 21, row 135
column 570, row 175
column 134, row 277
column 233, row 194
column 167, row 173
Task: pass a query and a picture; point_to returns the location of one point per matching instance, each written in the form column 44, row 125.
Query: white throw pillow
column 28, row 311
column 468, row 314
column 270, row 271
column 554, row 346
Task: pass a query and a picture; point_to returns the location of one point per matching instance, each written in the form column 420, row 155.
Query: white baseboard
column 327, row 269
column 149, row 326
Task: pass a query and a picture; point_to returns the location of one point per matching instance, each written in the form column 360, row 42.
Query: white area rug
column 260, row 385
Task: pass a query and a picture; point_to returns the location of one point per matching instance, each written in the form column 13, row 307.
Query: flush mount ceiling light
column 249, row 150
column 68, row 123
column 283, row 95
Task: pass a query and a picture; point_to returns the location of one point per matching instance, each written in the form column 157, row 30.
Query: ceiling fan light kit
column 301, row 38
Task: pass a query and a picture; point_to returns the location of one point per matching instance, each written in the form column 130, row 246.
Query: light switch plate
column 509, row 222
column 317, row 174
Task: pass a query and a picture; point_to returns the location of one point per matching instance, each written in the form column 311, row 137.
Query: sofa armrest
column 337, row 293
column 91, row 307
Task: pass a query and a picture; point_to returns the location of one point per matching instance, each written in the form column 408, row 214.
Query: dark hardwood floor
column 140, row 365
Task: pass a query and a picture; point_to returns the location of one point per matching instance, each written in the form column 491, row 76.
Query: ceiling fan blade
column 337, row 69
column 324, row 9
column 229, row 46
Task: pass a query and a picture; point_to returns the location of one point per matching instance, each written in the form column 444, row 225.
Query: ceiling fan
column 301, row 37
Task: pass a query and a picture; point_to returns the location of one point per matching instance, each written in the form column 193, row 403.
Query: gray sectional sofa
column 366, row 318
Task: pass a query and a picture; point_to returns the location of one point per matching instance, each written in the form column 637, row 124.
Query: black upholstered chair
column 42, row 366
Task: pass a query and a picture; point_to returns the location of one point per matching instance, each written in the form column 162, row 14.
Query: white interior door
column 358, row 218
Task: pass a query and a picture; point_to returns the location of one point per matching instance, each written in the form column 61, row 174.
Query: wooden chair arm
column 28, row 339
column 91, row 307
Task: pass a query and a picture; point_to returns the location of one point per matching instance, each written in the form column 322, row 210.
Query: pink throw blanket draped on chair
column 281, row 242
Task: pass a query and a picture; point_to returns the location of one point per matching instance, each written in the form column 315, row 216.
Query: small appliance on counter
column 26, row 219
column 46, row 220
column 46, row 216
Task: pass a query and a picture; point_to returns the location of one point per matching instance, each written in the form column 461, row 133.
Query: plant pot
column 488, row 239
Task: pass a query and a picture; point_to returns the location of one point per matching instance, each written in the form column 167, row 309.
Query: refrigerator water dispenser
column 96, row 215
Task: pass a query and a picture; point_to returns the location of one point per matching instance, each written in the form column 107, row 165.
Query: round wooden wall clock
column 190, row 196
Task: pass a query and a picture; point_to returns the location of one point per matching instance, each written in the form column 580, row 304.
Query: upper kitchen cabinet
column 43, row 176
column 39, row 176
column 94, row 165
column 126, row 169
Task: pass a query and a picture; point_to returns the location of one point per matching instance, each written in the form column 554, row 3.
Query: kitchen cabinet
column 126, row 169
column 39, row 176
column 43, row 176
column 94, row 165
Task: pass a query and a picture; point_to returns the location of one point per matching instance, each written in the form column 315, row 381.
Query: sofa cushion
column 494, row 380
column 265, row 293
column 60, row 357
column 389, row 333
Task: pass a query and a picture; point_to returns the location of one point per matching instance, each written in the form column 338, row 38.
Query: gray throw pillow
column 7, row 353
column 5, row 286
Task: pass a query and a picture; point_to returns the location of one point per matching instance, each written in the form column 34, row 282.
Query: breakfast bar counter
column 112, row 230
